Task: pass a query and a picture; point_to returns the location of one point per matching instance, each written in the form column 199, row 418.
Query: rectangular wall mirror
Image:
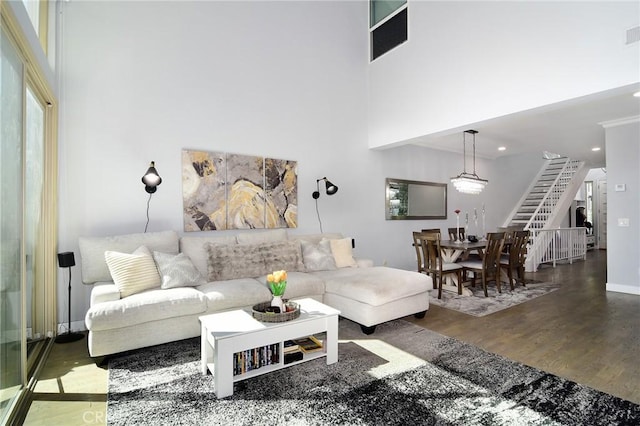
column 413, row 200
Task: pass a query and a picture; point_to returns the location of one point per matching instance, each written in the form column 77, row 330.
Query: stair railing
column 551, row 197
column 559, row 244
column 526, row 193
column 536, row 224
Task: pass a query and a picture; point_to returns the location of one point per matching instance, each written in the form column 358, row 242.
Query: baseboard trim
column 621, row 288
column 76, row 326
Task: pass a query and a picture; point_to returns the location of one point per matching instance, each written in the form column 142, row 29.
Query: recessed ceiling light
column 502, row 148
column 595, row 148
column 637, row 94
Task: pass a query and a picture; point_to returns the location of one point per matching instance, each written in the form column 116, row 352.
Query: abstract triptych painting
column 231, row 191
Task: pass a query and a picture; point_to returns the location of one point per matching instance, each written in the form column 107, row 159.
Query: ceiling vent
column 633, row 35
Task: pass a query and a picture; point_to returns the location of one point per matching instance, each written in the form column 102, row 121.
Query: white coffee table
column 226, row 333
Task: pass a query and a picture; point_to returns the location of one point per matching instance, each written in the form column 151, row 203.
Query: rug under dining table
column 478, row 305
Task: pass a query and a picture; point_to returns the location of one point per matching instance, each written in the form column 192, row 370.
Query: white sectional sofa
column 202, row 275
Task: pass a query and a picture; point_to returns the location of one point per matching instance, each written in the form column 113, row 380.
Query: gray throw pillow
column 318, row 257
column 228, row 262
column 177, row 270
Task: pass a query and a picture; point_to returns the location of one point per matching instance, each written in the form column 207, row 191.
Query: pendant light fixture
column 469, row 183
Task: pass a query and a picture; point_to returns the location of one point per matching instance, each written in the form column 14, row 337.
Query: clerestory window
column 387, row 25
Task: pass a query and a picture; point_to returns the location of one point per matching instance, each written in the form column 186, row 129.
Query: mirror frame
column 390, row 181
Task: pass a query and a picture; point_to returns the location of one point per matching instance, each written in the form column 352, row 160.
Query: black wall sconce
column 151, row 180
column 67, row 260
column 330, row 188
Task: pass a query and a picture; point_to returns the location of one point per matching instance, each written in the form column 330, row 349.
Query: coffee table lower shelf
column 227, row 333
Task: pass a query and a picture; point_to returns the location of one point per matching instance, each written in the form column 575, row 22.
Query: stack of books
column 292, row 352
column 295, row 349
column 309, row 344
column 252, row 359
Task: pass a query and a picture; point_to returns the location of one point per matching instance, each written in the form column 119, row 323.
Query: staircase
column 546, row 202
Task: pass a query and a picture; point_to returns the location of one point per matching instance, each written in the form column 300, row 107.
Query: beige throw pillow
column 133, row 273
column 342, row 253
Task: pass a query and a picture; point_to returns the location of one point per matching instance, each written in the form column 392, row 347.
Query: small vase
column 277, row 301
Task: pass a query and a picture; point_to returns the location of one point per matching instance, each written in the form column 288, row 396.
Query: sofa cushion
column 104, row 292
column 299, row 284
column 317, row 257
column 196, row 249
column 232, row 294
column 316, row 238
column 94, row 266
column 374, row 286
column 151, row 305
column 132, row 273
column 254, row 237
column 343, row 253
column 177, row 270
column 228, row 262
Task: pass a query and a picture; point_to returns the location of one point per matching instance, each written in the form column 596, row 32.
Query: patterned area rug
column 402, row 374
column 478, row 305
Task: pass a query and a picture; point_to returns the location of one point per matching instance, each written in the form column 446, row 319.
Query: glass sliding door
column 12, row 345
column 34, row 160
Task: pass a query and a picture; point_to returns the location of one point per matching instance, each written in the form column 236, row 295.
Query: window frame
column 372, row 29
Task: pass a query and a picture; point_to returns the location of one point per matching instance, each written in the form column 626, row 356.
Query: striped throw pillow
column 133, row 273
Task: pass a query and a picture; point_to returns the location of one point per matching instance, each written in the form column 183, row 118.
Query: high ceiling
column 570, row 128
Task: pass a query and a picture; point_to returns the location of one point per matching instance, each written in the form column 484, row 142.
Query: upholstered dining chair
column 434, row 264
column 514, row 259
column 489, row 266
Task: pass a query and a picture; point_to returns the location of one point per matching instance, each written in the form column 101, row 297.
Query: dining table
column 451, row 252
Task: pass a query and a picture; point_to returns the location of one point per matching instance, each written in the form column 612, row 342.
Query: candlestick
column 475, row 219
column 484, row 228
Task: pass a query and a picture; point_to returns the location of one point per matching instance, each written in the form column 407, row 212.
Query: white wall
column 141, row 81
column 623, row 243
column 467, row 62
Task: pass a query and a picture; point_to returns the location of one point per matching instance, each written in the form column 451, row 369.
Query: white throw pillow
column 177, row 270
column 317, row 257
column 342, row 253
column 133, row 273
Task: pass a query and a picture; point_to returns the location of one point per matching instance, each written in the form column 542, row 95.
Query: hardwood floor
column 580, row 332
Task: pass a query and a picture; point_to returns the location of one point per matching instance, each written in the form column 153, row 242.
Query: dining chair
column 417, row 244
column 489, row 266
column 508, row 241
column 516, row 257
column 434, row 264
column 431, row 231
column 454, row 231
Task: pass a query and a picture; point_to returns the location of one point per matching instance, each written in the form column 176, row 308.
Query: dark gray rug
column 478, row 305
column 402, row 374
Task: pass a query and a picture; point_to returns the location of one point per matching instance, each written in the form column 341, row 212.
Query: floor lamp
column 67, row 260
